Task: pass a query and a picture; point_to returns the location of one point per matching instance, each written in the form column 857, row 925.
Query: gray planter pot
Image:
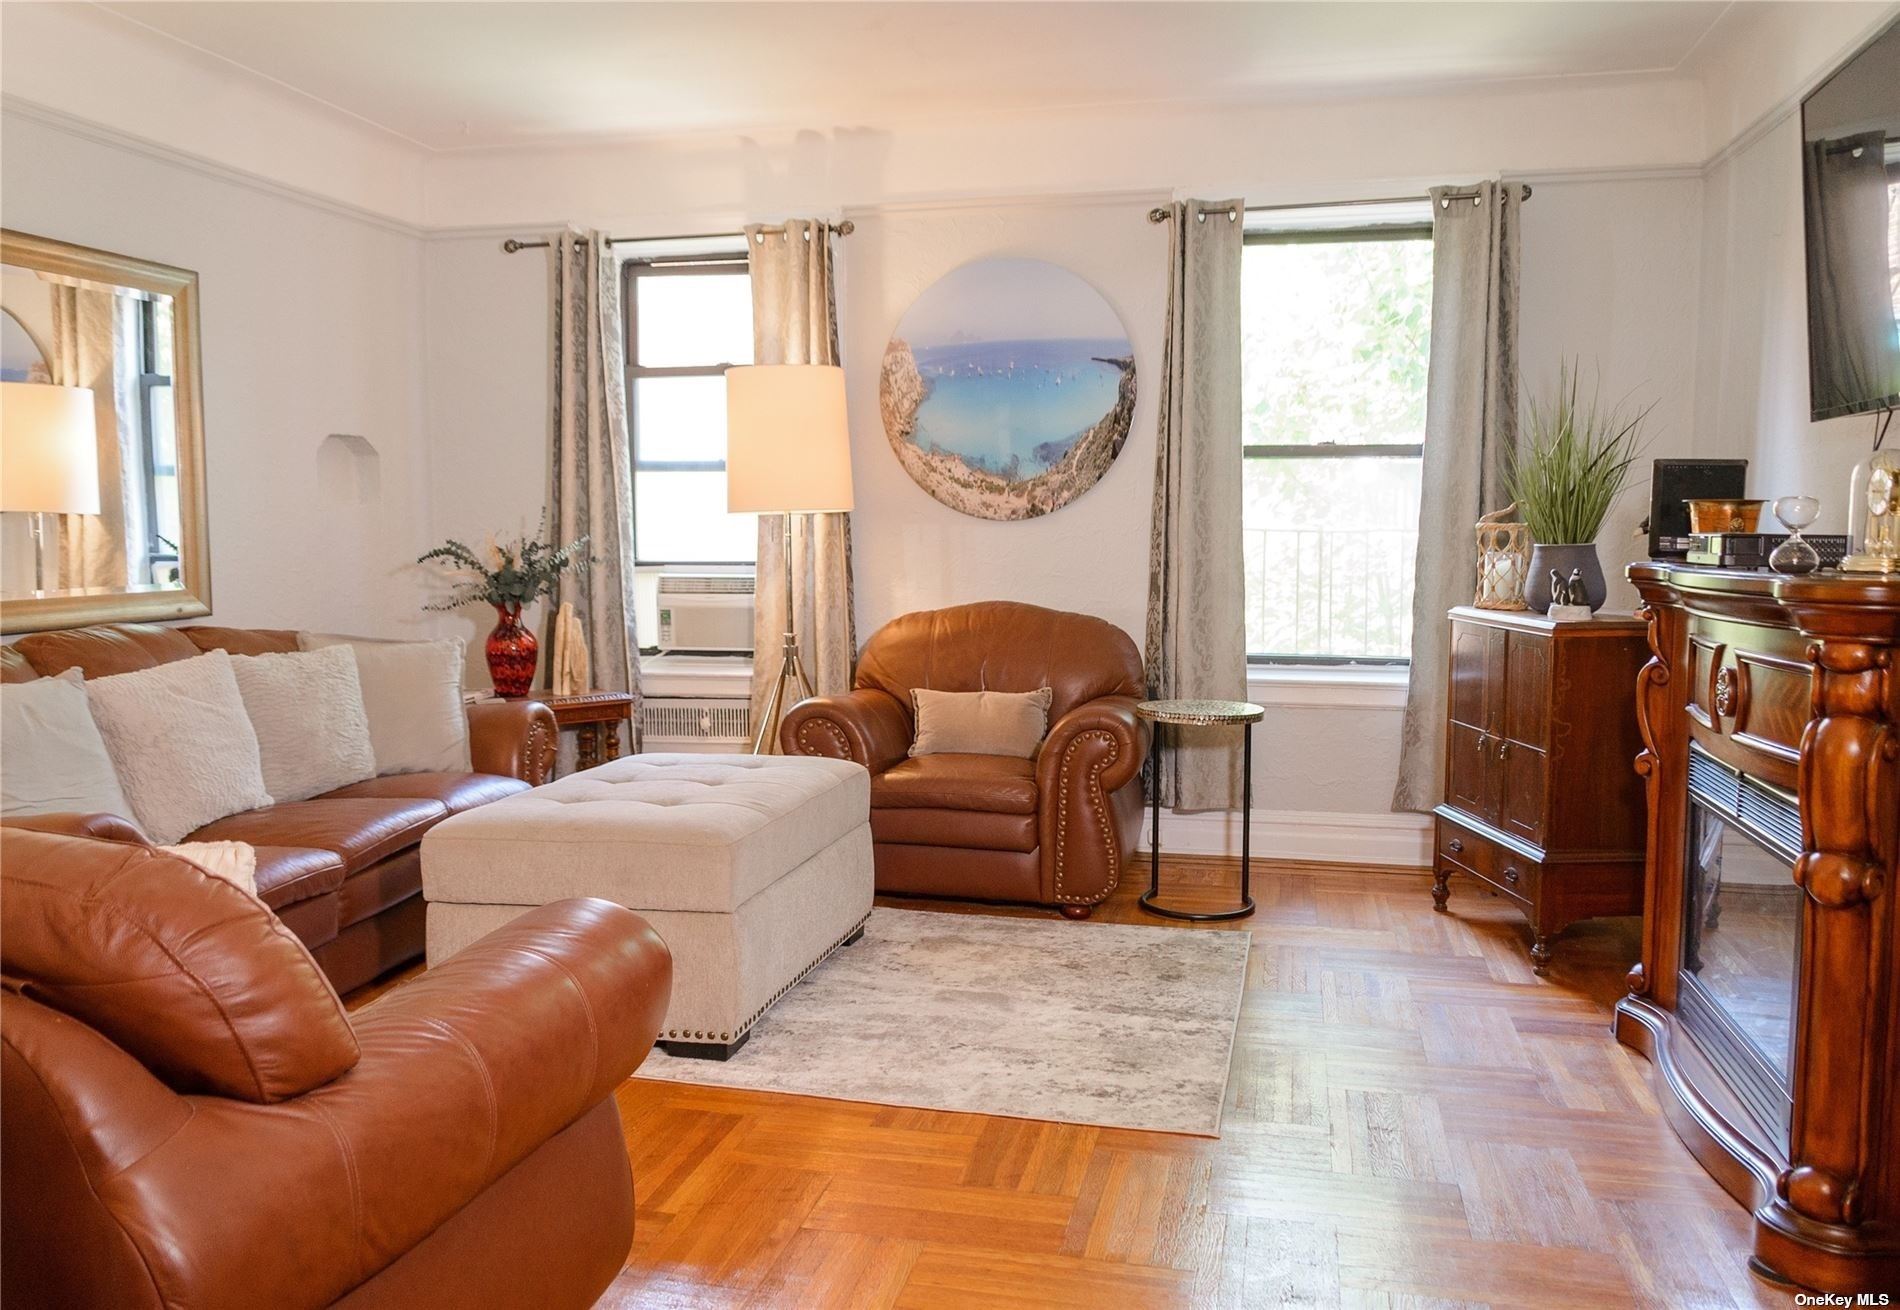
column 1564, row 558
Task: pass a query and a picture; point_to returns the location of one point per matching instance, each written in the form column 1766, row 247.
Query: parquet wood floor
column 1413, row 1120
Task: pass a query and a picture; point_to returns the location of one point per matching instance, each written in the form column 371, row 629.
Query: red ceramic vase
column 513, row 653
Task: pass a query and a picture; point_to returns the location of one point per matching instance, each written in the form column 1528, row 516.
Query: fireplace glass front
column 1741, row 937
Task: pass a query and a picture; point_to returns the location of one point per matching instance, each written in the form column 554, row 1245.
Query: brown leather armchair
column 191, row 1119
column 1054, row 830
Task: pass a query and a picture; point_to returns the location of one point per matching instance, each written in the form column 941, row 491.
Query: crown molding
column 1779, row 112
column 100, row 134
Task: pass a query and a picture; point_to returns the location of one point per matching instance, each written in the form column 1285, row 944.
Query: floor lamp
column 788, row 451
column 49, row 457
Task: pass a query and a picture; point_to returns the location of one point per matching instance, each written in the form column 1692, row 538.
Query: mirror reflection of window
column 117, row 344
column 1851, row 210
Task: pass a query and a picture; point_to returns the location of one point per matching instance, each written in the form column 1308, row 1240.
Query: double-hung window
column 688, row 319
column 1336, row 333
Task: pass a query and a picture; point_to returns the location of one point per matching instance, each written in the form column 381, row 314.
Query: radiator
column 694, row 723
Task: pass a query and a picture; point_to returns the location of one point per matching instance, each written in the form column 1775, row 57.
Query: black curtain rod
column 513, row 244
column 1162, row 213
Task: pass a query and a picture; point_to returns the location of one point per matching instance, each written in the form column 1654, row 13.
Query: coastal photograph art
column 1008, row 388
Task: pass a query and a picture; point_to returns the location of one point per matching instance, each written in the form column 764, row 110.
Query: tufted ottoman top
column 655, row 832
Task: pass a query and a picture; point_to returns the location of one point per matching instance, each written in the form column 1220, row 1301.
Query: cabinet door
column 1470, row 661
column 1521, row 775
column 1470, row 773
column 1527, row 690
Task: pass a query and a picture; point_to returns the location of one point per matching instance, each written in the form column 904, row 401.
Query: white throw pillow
column 183, row 746
column 412, row 691
column 54, row 759
column 312, row 729
column 233, row 861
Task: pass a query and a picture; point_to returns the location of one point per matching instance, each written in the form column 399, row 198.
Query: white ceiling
column 459, row 75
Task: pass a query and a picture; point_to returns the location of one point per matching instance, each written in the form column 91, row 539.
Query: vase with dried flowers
column 508, row 575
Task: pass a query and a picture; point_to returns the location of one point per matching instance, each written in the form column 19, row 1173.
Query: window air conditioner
column 705, row 614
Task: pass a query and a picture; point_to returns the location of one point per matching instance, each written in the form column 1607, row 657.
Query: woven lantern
column 1504, row 561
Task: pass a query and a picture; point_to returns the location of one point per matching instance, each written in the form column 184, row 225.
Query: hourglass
column 1795, row 555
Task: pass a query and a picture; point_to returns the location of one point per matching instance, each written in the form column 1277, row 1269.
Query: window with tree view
column 688, row 319
column 1336, row 330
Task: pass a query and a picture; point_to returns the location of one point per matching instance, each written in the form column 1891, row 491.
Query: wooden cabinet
column 1542, row 800
column 1768, row 997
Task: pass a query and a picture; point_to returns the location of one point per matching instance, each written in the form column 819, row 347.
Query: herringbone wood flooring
column 1413, row 1120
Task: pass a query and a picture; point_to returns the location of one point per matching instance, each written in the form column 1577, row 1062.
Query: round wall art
column 1008, row 388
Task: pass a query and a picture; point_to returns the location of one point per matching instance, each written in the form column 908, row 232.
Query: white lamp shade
column 788, row 447
column 49, row 449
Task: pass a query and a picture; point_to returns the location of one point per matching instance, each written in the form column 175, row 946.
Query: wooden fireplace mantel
column 1791, row 681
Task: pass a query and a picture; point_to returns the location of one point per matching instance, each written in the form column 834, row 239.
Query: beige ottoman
column 753, row 869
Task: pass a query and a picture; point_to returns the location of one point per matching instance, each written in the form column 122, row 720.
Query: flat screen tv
column 1850, row 182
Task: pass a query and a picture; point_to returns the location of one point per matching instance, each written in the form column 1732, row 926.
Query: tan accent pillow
column 53, row 760
column 980, row 722
column 412, row 694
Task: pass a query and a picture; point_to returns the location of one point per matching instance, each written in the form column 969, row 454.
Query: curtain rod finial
column 1160, row 214
column 845, row 228
column 510, row 246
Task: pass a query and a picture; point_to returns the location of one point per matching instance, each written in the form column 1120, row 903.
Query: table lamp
column 788, row 451
column 49, row 457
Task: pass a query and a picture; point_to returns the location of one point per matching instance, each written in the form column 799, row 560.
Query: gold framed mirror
column 102, row 464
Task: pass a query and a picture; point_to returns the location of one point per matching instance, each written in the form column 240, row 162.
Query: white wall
column 1609, row 277
column 435, row 348
column 1610, row 280
column 1754, row 369
column 312, row 325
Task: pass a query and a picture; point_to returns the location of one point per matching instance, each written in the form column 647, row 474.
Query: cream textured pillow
column 312, row 729
column 54, row 760
column 412, row 692
column 181, row 742
column 233, row 861
column 980, row 722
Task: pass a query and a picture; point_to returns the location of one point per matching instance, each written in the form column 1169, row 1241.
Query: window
column 1336, row 328
column 689, row 318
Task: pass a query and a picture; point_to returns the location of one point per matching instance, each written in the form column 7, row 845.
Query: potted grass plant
column 1572, row 461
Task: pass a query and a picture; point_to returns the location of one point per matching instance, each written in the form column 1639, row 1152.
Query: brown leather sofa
column 191, row 1119
column 1055, row 830
column 342, row 870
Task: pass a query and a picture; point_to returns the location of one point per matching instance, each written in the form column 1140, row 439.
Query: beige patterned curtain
column 1196, row 641
column 95, row 345
column 591, row 490
column 795, row 321
column 1470, row 430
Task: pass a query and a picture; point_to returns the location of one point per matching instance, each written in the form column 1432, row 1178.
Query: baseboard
column 1313, row 836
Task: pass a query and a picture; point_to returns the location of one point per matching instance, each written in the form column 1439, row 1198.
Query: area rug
column 1121, row 1027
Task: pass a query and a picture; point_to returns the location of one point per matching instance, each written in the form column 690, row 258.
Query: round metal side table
column 1201, row 714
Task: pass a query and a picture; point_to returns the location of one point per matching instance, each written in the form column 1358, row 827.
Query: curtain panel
column 795, row 321
column 1470, row 433
column 1196, row 644
column 96, row 345
column 591, row 491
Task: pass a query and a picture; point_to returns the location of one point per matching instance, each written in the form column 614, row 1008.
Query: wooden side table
column 596, row 717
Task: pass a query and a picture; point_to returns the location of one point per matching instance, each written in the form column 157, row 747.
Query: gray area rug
column 1116, row 1026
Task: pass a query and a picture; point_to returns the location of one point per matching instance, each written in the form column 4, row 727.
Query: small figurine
column 1569, row 599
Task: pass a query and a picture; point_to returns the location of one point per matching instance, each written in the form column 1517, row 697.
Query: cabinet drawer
column 1501, row 868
